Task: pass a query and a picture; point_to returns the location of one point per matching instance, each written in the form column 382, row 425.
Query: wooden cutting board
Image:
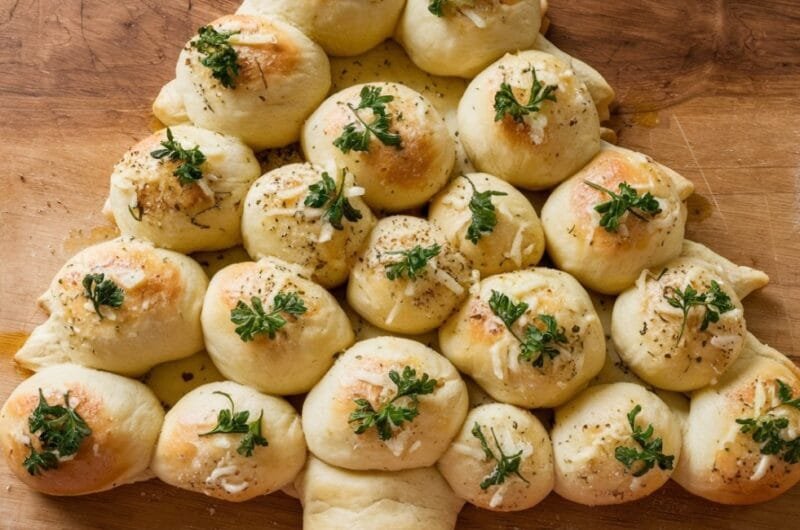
column 707, row 88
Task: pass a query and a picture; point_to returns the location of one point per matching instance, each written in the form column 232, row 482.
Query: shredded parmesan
column 354, row 191
column 325, row 233
column 448, row 281
column 762, row 467
column 497, row 498
column 469, row 450
column 726, row 342
column 234, row 488
column 290, row 193
column 253, row 39
column 473, row 17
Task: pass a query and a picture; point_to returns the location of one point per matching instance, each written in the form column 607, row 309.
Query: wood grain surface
column 708, row 88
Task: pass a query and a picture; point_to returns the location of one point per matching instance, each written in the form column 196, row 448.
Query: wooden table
column 708, row 88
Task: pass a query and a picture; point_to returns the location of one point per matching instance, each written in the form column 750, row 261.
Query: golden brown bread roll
column 281, row 76
column 400, row 169
column 341, row 499
column 519, row 472
column 281, row 219
column 381, row 374
column 155, row 318
column 593, row 439
column 515, row 242
column 722, row 463
column 283, row 356
column 609, row 258
column 539, row 147
column 462, row 38
column 248, row 457
column 680, row 327
column 341, row 27
column 151, row 198
column 389, row 62
column 113, row 423
column 567, row 346
column 408, row 278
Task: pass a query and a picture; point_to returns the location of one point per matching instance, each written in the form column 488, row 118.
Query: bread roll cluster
column 430, row 373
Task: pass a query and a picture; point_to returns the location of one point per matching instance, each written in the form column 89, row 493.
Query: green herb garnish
column 484, row 216
column 219, row 55
column 714, row 301
column 650, row 454
column 766, row 430
column 353, row 139
column 324, row 194
column 254, row 320
column 191, row 159
column 535, row 343
column 390, row 415
column 627, row 200
column 102, row 291
column 412, row 263
column 60, row 431
column 505, row 103
column 506, row 464
column 230, row 421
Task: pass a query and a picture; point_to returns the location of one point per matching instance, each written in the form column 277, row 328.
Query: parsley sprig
column 535, row 343
column 627, row 200
column 505, row 103
column 767, row 429
column 714, row 301
column 219, row 56
column 412, row 262
column 102, row 291
column 60, row 431
column 506, row 464
column 189, row 170
column 355, row 137
column 254, row 320
column 391, row 414
column 484, row 216
column 230, row 421
column 324, row 194
column 650, row 452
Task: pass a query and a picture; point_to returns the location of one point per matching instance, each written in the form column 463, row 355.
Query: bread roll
column 122, row 419
column 278, row 221
column 282, row 76
column 588, row 432
column 602, row 93
column 340, row 499
column 148, row 200
column 544, row 147
column 515, row 242
column 301, row 350
column 365, row 373
column 466, row 36
column 168, row 106
column 395, row 176
column 405, row 304
column 157, row 318
column 223, row 465
column 343, row 27
column 173, row 380
column 480, row 344
column 671, row 350
column 719, row 461
column 744, row 280
column 610, row 261
column 508, row 431
column 389, row 62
